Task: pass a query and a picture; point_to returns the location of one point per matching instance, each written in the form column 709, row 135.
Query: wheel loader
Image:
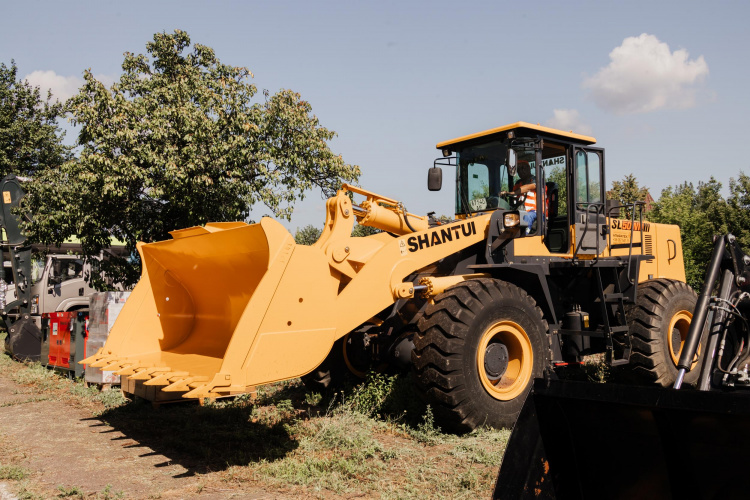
column 578, row 440
column 477, row 306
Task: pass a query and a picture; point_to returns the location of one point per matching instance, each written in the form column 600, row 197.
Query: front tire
column 659, row 323
column 479, row 346
column 330, row 373
column 349, row 358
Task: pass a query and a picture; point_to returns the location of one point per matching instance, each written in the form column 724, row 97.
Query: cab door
column 65, row 280
column 589, row 201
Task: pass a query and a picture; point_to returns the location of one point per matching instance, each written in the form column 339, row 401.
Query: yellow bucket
column 222, row 308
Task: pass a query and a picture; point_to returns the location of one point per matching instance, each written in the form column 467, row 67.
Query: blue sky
column 661, row 85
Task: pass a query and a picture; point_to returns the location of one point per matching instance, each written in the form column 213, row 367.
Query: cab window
column 554, row 164
column 588, row 177
column 62, row 270
column 482, row 176
column 37, row 269
column 479, row 185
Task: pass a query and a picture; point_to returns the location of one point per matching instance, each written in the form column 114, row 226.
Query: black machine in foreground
column 24, row 336
column 577, row 440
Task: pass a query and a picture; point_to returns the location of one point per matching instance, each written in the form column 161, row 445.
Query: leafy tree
column 482, row 192
column 310, row 234
column 30, row 139
column 739, row 206
column 360, row 231
column 178, row 142
column 627, row 191
column 307, row 235
column 701, row 213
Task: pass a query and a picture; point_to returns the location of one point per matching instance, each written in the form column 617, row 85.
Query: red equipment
column 64, row 340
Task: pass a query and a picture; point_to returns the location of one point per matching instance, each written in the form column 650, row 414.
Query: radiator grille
column 649, row 246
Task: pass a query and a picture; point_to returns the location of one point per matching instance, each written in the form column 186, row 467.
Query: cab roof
column 522, row 129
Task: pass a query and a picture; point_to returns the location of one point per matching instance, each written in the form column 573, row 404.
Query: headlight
column 511, row 220
column 35, row 304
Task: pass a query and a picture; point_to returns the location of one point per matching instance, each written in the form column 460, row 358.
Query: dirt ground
column 61, row 439
column 63, row 446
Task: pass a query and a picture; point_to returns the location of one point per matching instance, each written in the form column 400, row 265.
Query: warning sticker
column 6, row 197
column 402, row 247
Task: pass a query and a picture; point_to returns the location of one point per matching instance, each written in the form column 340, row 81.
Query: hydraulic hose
column 742, row 355
column 701, row 310
column 718, row 330
column 406, row 217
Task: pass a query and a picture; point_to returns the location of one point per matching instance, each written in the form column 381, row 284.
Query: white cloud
column 645, row 75
column 569, row 119
column 63, row 87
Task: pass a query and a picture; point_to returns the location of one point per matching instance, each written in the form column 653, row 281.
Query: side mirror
column 510, row 160
column 435, row 179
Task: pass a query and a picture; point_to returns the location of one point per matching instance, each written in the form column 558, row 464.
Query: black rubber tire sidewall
column 446, row 367
column 657, row 303
column 494, row 412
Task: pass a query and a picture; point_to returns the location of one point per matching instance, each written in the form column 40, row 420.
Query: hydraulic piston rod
column 701, row 310
column 386, row 214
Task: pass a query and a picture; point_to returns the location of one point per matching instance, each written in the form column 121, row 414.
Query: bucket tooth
column 115, row 365
column 200, row 392
column 164, row 378
column 103, row 361
column 185, row 384
column 93, row 358
column 148, row 373
column 130, row 369
column 175, row 385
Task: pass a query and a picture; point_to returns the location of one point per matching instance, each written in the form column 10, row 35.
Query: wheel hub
column 496, row 360
column 676, row 342
column 505, row 360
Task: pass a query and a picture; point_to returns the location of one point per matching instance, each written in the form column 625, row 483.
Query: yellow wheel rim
column 678, row 329
column 520, row 360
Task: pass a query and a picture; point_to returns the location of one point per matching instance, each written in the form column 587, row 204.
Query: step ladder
column 616, row 330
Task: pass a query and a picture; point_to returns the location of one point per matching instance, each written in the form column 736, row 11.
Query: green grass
column 40, row 377
column 483, row 446
column 376, row 438
column 13, row 472
column 110, row 398
column 344, row 431
column 26, row 491
column 108, row 494
column 369, row 443
column 48, row 384
column 71, row 492
column 426, row 432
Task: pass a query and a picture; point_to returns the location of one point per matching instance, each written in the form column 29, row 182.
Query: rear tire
column 659, row 323
column 478, row 348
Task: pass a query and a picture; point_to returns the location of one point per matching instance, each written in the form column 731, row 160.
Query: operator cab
column 523, row 168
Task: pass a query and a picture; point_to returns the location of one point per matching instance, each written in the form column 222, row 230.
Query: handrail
column 640, row 205
column 632, row 206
